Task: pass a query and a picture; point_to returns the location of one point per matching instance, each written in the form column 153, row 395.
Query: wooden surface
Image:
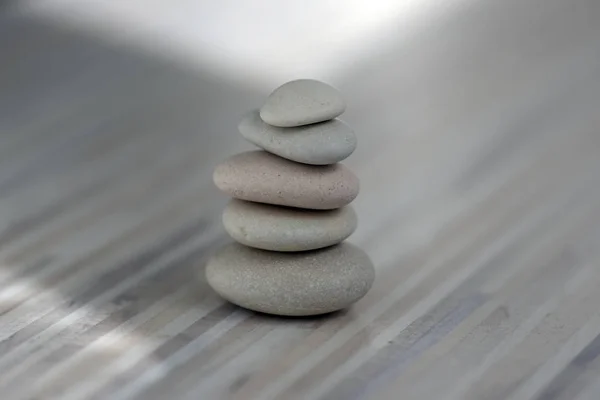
column 479, row 160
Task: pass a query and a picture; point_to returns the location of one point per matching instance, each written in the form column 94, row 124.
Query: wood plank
column 480, row 205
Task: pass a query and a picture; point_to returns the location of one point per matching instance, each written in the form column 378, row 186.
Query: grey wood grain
column 478, row 157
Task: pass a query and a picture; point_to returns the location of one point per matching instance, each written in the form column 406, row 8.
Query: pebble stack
column 290, row 210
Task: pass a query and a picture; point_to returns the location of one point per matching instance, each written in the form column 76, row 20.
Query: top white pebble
column 302, row 102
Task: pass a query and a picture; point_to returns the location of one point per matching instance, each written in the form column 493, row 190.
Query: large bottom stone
column 291, row 284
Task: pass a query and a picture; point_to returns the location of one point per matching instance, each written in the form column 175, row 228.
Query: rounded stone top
column 302, row 102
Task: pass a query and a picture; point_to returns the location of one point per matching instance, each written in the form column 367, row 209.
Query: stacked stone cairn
column 290, row 211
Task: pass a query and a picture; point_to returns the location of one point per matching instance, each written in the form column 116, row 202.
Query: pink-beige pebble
column 265, row 178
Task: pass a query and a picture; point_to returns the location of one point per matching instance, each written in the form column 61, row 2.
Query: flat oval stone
column 265, row 178
column 293, row 284
column 277, row 228
column 317, row 144
column 302, row 102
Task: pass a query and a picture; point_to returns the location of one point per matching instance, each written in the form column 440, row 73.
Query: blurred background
column 478, row 158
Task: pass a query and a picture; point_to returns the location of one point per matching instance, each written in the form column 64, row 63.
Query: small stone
column 266, row 178
column 277, row 228
column 317, row 144
column 302, row 102
column 292, row 284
